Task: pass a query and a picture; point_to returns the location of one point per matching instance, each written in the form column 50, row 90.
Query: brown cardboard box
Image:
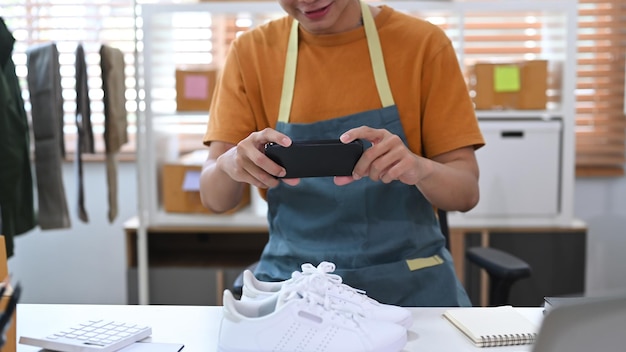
column 181, row 195
column 515, row 85
column 11, row 338
column 194, row 88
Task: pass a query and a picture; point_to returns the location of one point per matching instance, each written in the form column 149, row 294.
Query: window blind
column 600, row 118
column 68, row 23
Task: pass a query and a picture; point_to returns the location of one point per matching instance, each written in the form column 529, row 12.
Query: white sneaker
column 301, row 321
column 320, row 280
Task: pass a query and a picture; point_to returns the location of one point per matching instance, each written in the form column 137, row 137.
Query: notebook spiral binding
column 507, row 340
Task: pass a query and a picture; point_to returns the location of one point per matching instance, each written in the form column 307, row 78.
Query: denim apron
column 384, row 238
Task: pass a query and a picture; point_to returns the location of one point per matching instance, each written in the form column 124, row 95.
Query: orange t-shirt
column 334, row 78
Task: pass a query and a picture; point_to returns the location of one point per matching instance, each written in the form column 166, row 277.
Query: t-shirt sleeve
column 230, row 116
column 448, row 121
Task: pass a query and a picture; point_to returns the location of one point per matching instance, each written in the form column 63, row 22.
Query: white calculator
column 91, row 335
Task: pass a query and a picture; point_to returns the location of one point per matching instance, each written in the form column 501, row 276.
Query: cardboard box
column 11, row 337
column 514, row 85
column 194, row 88
column 180, row 188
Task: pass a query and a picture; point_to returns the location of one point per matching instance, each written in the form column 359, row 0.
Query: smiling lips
column 317, row 14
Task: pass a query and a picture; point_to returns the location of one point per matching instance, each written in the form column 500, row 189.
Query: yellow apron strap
column 289, row 77
column 421, row 263
column 376, row 55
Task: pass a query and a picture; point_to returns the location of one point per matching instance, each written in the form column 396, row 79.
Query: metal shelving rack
column 154, row 121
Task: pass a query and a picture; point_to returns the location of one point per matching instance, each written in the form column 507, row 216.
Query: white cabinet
column 520, row 169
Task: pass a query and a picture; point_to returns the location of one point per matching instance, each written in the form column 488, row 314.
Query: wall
column 87, row 263
column 601, row 203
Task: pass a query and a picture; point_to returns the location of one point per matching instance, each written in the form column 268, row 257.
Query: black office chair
column 503, row 268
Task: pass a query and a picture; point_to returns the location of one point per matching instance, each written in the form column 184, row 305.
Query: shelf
column 520, row 114
column 163, row 132
column 458, row 221
column 244, row 220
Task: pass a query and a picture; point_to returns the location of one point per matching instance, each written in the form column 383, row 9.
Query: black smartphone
column 317, row 158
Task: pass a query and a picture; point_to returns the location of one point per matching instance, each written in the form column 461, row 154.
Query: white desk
column 197, row 327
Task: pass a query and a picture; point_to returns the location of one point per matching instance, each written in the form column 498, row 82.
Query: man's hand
column 449, row 180
column 246, row 162
column 387, row 160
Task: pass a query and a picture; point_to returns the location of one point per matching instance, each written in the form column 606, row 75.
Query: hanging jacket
column 44, row 85
column 16, row 182
column 115, row 116
column 84, row 142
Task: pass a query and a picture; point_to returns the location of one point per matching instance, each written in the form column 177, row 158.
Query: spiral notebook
column 493, row 326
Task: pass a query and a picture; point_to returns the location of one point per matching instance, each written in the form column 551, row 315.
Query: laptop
column 596, row 325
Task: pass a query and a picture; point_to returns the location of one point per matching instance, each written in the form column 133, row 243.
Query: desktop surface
column 197, row 327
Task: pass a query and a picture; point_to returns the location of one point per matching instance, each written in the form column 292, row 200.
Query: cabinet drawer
column 519, row 169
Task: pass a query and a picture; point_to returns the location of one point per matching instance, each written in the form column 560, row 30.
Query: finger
column 343, row 180
column 387, row 176
column 291, row 181
column 375, row 137
column 364, row 132
column 267, row 165
column 383, row 164
column 363, row 167
column 256, row 176
column 268, row 135
column 378, row 161
column 401, row 166
column 267, row 182
column 248, row 164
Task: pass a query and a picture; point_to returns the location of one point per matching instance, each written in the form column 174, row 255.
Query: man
column 354, row 72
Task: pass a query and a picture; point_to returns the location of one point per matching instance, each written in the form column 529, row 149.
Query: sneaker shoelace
column 321, row 305
column 321, row 280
